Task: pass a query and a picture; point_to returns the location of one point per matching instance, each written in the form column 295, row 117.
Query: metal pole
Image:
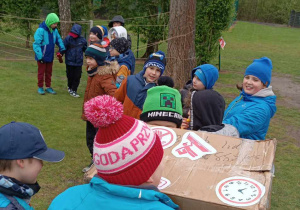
column 91, row 24
column 137, row 44
column 219, row 57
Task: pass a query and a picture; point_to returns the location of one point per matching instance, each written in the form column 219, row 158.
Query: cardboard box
column 193, row 182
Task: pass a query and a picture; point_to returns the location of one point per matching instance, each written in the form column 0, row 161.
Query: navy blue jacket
column 75, row 47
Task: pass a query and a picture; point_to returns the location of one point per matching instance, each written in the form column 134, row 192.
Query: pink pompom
column 103, row 110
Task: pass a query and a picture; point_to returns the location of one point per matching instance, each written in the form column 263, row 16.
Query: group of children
column 117, row 104
column 73, row 47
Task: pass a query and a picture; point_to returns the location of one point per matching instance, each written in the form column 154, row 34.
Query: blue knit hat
column 262, row 69
column 157, row 59
column 207, row 73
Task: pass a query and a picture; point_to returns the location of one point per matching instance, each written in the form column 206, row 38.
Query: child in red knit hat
column 128, row 157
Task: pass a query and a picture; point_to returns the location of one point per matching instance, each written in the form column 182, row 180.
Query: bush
column 212, row 18
column 270, row 11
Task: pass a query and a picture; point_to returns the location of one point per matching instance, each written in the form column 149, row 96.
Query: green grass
column 58, row 116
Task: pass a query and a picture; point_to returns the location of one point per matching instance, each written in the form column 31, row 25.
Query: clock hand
column 241, row 190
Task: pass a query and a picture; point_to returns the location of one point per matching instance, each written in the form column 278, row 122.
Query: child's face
column 116, row 24
column 252, row 84
column 152, row 74
column 54, row 25
column 91, row 62
column 162, row 123
column 93, row 37
column 113, row 51
column 197, row 84
column 30, row 171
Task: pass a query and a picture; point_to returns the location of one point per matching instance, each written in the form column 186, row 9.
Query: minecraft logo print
column 167, row 100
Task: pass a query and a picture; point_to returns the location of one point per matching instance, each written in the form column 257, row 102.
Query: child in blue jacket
column 250, row 113
column 75, row 47
column 45, row 38
column 128, row 158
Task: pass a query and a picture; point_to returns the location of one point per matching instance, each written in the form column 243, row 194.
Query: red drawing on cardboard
column 193, row 147
column 164, row 183
column 167, row 136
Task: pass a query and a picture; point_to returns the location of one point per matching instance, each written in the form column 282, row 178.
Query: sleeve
column 60, row 43
column 38, row 39
column 122, row 74
column 122, row 91
column 250, row 120
column 66, row 43
column 84, row 45
column 108, row 84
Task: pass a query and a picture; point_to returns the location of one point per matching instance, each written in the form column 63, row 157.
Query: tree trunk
column 181, row 45
column 64, row 15
column 150, row 49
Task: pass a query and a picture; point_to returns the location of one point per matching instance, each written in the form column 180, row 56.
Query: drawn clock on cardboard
column 240, row 191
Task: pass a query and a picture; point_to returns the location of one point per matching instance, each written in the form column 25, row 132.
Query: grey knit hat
column 117, row 18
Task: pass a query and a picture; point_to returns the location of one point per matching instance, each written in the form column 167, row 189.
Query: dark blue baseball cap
column 20, row 140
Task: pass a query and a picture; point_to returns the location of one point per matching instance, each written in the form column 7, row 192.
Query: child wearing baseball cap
column 133, row 90
column 128, row 157
column 22, row 152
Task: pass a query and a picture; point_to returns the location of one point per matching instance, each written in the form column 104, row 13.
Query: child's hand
column 185, row 123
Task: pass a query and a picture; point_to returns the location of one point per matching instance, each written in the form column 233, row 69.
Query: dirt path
column 288, row 90
column 289, row 96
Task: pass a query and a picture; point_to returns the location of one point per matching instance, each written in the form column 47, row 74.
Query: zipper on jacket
column 233, row 106
column 45, row 46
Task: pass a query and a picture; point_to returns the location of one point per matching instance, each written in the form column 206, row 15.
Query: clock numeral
column 246, row 183
column 226, row 186
column 252, row 186
column 227, row 194
column 230, row 182
column 253, row 195
column 225, row 190
column 240, row 199
column 239, row 182
column 232, row 198
column 248, row 199
column 254, row 190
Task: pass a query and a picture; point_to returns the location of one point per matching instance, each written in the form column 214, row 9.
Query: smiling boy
column 133, row 90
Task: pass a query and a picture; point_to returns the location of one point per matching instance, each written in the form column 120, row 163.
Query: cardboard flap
column 232, row 153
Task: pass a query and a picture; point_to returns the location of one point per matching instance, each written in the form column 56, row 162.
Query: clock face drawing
column 240, row 191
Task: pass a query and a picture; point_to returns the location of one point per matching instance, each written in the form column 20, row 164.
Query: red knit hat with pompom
column 126, row 150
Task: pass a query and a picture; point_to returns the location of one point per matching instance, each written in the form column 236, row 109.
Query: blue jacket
column 126, row 59
column 75, row 47
column 251, row 114
column 44, row 43
column 99, row 194
column 132, row 93
column 5, row 203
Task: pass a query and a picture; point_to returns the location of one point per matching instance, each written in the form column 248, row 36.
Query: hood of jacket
column 126, row 59
column 134, row 192
column 208, row 108
column 76, row 29
column 111, row 68
column 266, row 95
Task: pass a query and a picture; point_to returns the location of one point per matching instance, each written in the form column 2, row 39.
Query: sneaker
column 74, row 94
column 41, row 91
column 50, row 90
column 85, row 169
column 70, row 90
